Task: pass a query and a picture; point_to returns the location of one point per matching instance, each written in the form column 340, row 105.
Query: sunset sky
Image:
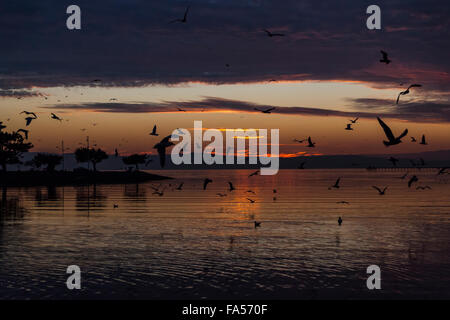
column 326, row 68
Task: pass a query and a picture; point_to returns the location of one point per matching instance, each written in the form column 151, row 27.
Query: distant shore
column 37, row 178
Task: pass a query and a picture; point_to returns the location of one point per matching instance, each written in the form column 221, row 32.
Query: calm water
column 196, row 244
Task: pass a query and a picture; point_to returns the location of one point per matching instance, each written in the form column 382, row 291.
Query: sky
column 220, row 66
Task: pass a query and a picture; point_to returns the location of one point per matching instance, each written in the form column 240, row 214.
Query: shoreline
column 60, row 178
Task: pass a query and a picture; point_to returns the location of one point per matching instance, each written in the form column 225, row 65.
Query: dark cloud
column 131, row 43
column 364, row 108
column 19, row 94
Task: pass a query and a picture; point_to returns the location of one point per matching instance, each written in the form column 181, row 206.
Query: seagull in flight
column 29, row 119
column 412, row 180
column 336, row 184
column 265, row 111
column 231, row 186
column 392, row 139
column 205, row 183
column 349, row 126
column 29, row 113
column 257, row 224
column 184, row 20
column 153, row 133
column 354, row 121
column 407, row 91
column 403, row 176
column 161, row 148
column 423, row 142
column 310, row 143
column 251, row 200
column 24, row 132
column 180, row 187
column 270, row 34
column 254, row 174
column 381, row 192
column 413, row 139
column 54, row 116
column 385, row 57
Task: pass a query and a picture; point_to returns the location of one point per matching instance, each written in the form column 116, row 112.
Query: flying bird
column 251, row 201
column 182, row 110
column 413, row 139
column 407, row 91
column 161, row 148
column 270, row 34
column 231, row 186
column 257, row 224
column 205, row 183
column 29, row 113
column 310, row 143
column 392, row 139
column 153, row 133
column 253, row 174
column 24, row 132
column 354, row 121
column 403, row 176
column 381, row 192
column 343, row 202
column 266, row 111
column 423, row 141
column 29, row 119
column 184, row 20
column 54, row 116
column 412, row 180
column 180, row 187
column 442, row 171
column 385, row 57
column 336, row 184
column 349, row 126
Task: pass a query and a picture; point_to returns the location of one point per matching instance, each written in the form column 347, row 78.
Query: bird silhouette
column 340, row 221
column 205, row 183
column 354, row 121
column 442, row 171
column 161, row 148
column 265, row 111
column 270, row 34
column 381, row 192
column 257, row 224
column 153, row 133
column 407, row 91
column 394, row 161
column 310, row 143
column 403, row 176
column 412, row 180
column 28, row 120
column 254, row 174
column 250, row 191
column 423, row 141
column 388, row 132
column 29, row 113
column 182, row 110
column 231, row 186
column 54, row 116
column 336, row 184
column 180, row 187
column 385, row 57
column 24, row 132
column 349, row 126
column 184, row 20
column 115, row 206
column 413, row 139
column 251, row 200
column 299, row 141
column 343, row 202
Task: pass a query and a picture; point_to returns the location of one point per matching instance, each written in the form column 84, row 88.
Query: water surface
column 194, row 244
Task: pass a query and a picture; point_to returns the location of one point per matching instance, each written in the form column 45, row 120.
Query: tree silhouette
column 46, row 159
column 12, row 146
column 135, row 159
column 93, row 155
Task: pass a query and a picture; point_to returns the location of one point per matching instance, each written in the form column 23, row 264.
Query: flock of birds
column 391, row 138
